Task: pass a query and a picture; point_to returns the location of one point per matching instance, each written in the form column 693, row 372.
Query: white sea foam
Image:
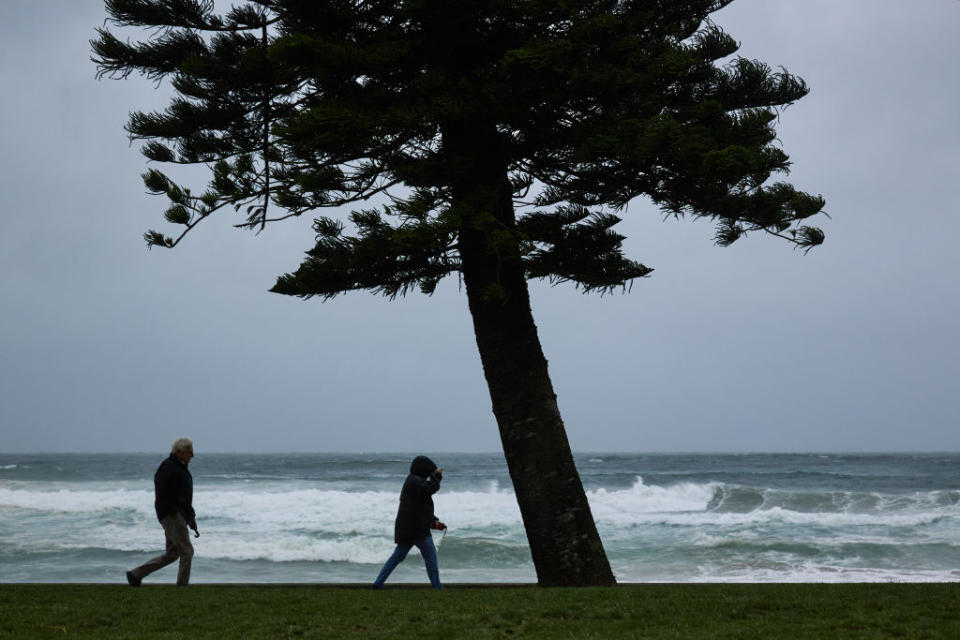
column 684, row 526
column 623, row 506
column 281, row 526
column 346, row 512
column 783, row 517
column 813, row 572
column 77, row 500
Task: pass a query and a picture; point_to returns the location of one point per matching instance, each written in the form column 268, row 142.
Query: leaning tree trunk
column 563, row 538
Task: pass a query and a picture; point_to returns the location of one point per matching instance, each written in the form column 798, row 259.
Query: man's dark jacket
column 173, row 485
column 415, row 514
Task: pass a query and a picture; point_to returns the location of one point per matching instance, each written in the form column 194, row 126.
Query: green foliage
column 177, row 214
column 573, row 244
column 381, row 257
column 580, row 106
column 157, row 239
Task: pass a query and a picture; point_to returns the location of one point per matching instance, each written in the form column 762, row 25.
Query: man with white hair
column 173, row 486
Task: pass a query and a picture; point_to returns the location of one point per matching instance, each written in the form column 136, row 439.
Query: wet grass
column 743, row 612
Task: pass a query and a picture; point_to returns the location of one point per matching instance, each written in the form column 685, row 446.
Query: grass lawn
column 741, row 611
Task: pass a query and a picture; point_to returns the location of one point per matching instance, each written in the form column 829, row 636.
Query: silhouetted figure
column 173, row 487
column 415, row 519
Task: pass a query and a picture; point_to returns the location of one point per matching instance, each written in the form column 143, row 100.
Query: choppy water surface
column 329, row 518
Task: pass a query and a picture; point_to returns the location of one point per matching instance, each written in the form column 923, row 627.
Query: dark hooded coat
column 415, row 514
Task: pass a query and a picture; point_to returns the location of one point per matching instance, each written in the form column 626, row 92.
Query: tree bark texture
column 563, row 538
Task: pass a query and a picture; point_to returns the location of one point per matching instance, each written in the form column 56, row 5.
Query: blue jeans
column 427, row 550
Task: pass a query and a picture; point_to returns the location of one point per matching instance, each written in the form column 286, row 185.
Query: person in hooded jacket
column 415, row 519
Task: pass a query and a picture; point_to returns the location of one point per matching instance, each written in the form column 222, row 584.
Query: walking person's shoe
column 132, row 580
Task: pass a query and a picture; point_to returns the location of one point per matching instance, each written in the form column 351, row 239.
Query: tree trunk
column 563, row 538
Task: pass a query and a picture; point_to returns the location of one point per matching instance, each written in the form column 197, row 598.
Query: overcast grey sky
column 106, row 346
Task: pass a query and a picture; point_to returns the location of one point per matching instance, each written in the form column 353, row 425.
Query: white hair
column 181, row 444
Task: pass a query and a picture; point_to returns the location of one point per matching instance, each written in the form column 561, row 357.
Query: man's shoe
column 132, row 580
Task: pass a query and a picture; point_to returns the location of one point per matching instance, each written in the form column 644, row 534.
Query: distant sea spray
column 329, row 518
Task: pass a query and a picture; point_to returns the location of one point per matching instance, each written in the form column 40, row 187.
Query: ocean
column 329, row 518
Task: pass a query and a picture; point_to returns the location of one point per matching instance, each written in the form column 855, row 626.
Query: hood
column 422, row 466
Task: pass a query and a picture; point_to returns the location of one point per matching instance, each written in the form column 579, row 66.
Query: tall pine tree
column 502, row 136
